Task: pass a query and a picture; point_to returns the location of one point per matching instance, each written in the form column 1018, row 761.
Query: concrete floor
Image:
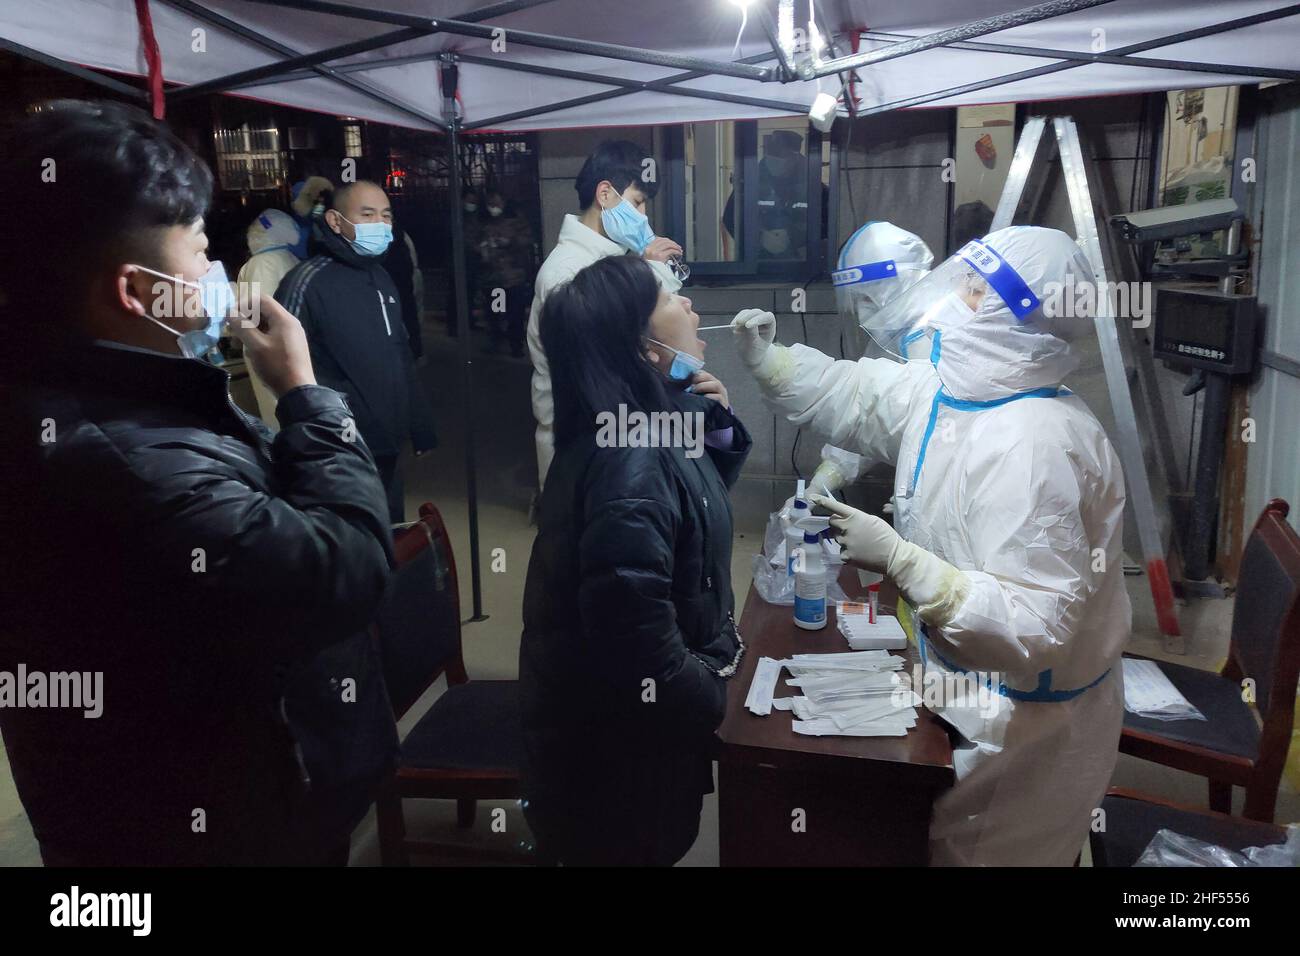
column 507, row 475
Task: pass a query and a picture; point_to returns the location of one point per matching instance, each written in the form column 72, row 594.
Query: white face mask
column 218, row 302
column 949, row 312
column 982, row 357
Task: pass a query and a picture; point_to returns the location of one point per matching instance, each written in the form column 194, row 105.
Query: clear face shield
column 950, row 294
column 868, row 292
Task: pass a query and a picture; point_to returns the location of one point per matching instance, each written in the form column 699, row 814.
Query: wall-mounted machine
column 1215, row 334
column 1175, row 227
column 1206, row 329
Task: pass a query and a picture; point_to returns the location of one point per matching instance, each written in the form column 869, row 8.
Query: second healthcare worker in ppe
column 1008, row 519
column 877, row 264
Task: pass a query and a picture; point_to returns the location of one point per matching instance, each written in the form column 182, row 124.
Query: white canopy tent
column 571, row 63
column 555, row 64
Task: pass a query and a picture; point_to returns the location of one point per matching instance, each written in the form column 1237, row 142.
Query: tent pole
column 545, row 41
column 363, row 66
column 1211, row 30
column 73, row 69
column 450, row 77
column 222, row 83
column 200, row 12
column 1150, row 63
column 665, row 84
column 788, row 71
column 994, row 24
column 628, row 89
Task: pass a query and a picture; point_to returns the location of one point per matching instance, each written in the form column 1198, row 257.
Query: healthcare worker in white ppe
column 877, row 264
column 1006, row 545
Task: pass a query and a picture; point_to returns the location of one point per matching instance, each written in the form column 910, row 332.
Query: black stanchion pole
column 450, row 77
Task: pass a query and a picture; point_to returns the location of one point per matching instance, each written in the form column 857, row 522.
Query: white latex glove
column 930, row 584
column 754, row 331
column 865, row 540
column 827, row 479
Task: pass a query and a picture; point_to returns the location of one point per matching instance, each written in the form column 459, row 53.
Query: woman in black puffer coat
column 629, row 636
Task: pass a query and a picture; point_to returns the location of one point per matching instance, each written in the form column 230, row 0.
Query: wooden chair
column 467, row 746
column 1132, row 820
column 1231, row 747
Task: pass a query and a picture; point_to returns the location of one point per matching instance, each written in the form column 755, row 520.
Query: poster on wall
column 986, row 140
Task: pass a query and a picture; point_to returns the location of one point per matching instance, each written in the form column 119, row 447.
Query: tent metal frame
column 1189, row 66
column 1124, row 51
column 74, row 69
column 296, row 65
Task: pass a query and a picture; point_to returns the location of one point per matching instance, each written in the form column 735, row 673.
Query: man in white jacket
column 613, row 187
column 273, row 239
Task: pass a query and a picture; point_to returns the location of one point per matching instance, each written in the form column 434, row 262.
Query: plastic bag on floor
column 1277, row 854
column 1168, row 848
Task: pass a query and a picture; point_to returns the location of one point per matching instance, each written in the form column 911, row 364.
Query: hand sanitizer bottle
column 810, row 578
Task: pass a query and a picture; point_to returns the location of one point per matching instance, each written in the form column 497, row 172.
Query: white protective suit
column 578, row 247
column 1009, row 482
column 271, row 238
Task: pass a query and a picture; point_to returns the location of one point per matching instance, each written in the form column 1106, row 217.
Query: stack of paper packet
column 853, row 694
column 854, row 622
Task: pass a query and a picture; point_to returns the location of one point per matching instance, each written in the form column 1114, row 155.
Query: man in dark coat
column 198, row 592
column 351, row 310
column 402, row 264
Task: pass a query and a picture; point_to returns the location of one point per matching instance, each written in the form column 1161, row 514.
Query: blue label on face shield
column 1004, row 280
column 867, row 272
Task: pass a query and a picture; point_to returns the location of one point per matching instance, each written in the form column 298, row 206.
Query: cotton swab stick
column 710, row 328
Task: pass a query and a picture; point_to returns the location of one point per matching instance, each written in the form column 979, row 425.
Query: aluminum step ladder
column 1129, row 440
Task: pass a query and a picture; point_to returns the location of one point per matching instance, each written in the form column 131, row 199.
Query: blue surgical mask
column 372, row 238
column 684, row 365
column 629, row 228
column 218, row 302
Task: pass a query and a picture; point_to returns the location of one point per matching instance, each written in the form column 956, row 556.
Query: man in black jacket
column 352, row 313
column 214, row 586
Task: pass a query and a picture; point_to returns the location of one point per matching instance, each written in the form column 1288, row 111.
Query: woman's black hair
column 593, row 330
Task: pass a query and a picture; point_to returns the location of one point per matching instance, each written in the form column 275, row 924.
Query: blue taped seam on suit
column 1042, row 694
column 964, row 405
column 911, row 337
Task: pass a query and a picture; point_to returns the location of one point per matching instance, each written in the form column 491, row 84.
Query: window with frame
column 248, row 156
column 352, row 145
column 751, row 197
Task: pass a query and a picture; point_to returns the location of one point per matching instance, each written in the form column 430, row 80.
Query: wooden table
column 865, row 801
